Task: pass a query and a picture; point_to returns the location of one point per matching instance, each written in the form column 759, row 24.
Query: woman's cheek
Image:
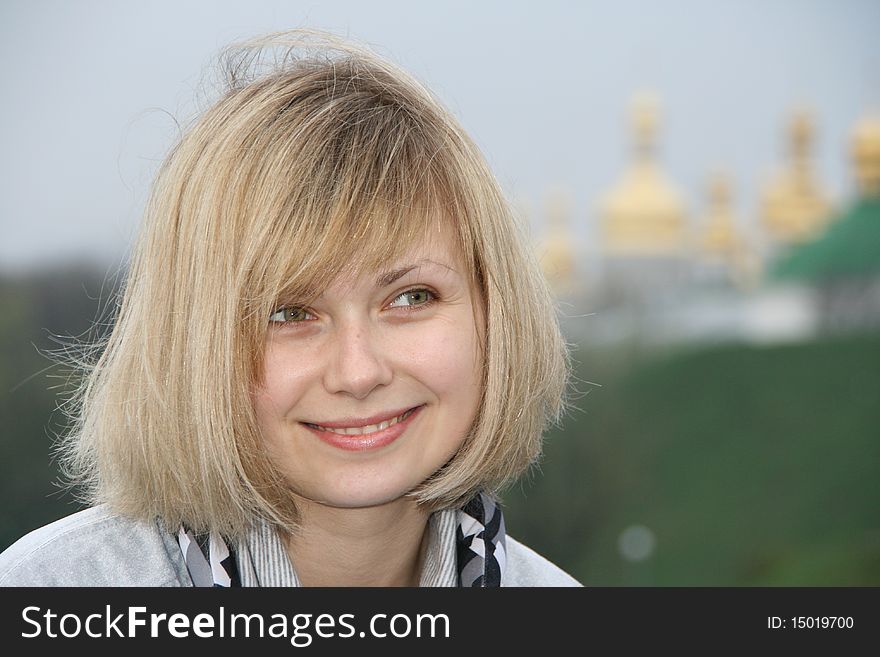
column 285, row 372
column 437, row 356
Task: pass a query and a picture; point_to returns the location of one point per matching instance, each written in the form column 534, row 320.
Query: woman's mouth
column 370, row 428
column 371, row 436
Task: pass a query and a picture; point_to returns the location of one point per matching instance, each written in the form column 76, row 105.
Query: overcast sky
column 91, row 90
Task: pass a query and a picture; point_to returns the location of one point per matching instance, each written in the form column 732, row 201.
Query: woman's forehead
column 438, row 245
column 377, row 251
column 438, row 254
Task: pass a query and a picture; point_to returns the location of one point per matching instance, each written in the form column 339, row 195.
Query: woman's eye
column 409, row 298
column 289, row 314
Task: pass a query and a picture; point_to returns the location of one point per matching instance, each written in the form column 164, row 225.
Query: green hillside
column 751, row 466
column 41, row 313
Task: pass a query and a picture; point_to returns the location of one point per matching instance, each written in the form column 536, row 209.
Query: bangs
column 358, row 236
column 362, row 190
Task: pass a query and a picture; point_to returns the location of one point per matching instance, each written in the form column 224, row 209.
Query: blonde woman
column 333, row 348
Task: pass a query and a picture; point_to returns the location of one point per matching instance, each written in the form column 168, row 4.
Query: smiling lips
column 364, row 434
column 359, row 431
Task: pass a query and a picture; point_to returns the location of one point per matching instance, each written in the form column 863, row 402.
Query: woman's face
column 374, row 386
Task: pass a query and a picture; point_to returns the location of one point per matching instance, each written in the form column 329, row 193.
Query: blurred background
column 702, row 184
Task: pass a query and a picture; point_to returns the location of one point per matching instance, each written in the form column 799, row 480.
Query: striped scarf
column 479, row 540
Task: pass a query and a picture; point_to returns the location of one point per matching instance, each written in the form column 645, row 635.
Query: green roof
column 849, row 248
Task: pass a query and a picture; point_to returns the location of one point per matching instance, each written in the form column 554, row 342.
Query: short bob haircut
column 334, row 161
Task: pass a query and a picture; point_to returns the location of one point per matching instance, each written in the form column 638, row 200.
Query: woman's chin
column 358, row 496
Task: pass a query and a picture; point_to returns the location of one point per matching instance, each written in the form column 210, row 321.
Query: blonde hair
column 333, row 161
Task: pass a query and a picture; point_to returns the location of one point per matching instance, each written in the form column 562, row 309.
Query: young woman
column 333, row 348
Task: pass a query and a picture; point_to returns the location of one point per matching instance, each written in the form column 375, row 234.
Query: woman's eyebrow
column 389, row 277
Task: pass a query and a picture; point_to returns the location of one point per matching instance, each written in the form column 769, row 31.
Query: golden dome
column 719, row 236
column 866, row 155
column 721, row 240
column 556, row 251
column 644, row 213
column 795, row 208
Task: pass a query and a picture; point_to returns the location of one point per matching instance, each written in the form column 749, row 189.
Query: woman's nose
column 356, row 364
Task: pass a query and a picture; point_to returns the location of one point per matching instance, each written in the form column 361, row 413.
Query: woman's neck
column 376, row 546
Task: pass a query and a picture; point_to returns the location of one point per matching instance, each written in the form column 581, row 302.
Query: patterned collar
column 472, row 538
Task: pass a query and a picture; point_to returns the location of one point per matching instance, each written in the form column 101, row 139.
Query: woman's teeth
column 370, row 428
